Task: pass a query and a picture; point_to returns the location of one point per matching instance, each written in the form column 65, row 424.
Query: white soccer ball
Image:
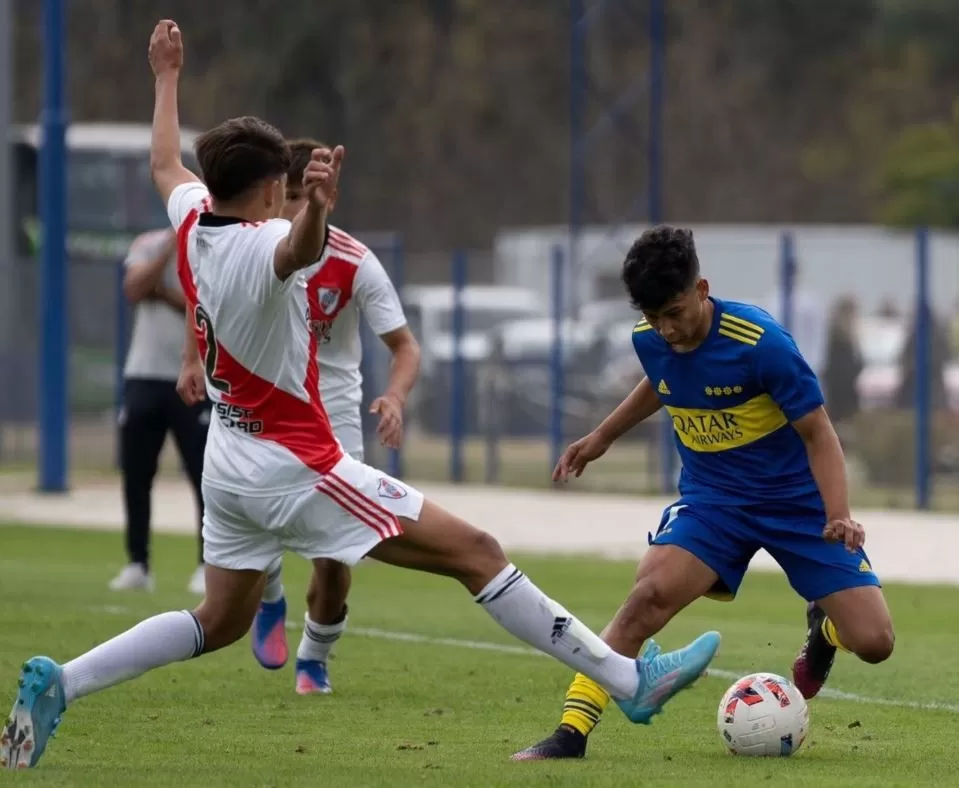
column 763, row 714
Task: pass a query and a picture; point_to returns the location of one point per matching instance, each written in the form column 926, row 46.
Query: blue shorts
column 725, row 538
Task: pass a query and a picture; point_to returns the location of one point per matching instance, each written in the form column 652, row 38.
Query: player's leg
column 143, row 428
column 846, row 609
column 190, row 424
column 689, row 558
column 47, row 688
column 326, row 610
column 325, row 623
column 858, row 620
column 438, row 542
column 855, row 620
column 357, row 511
column 326, row 603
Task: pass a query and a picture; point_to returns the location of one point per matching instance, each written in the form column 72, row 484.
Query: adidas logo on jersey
column 864, row 566
column 663, row 388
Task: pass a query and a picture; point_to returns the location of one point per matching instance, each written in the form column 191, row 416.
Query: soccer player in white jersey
column 275, row 478
column 349, row 281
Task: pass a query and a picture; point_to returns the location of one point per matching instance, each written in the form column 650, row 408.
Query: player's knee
column 877, row 645
column 487, row 549
column 480, row 558
column 221, row 628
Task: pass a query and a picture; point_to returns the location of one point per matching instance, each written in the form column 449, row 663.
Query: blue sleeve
column 785, row 375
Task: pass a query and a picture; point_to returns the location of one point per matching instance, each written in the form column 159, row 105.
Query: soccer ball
column 763, row 714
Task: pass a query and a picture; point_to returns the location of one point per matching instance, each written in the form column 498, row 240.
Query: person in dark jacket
column 843, row 361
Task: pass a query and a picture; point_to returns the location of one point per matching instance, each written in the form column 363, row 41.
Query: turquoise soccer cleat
column 661, row 676
column 35, row 715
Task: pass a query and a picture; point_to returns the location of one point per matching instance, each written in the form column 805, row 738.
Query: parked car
column 599, row 369
column 429, row 310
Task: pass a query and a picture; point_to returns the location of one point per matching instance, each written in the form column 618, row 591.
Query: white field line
column 502, row 648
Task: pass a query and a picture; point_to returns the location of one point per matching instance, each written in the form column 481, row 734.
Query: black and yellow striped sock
column 584, row 705
column 832, row 636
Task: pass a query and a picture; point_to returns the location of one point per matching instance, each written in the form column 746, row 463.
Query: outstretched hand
column 390, row 428
column 322, row 175
column 579, row 455
column 166, row 48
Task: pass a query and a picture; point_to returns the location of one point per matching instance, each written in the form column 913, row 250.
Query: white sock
column 527, row 613
column 318, row 639
column 153, row 643
column 273, row 591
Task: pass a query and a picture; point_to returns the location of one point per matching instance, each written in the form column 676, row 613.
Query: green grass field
column 431, row 713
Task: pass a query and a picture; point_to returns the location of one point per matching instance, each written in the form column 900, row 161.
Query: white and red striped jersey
column 269, row 433
column 348, row 280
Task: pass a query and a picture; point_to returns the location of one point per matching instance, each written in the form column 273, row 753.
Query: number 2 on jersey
column 205, row 324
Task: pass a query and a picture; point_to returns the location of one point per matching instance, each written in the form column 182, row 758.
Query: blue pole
column 657, row 71
column 457, row 371
column 787, row 278
column 395, row 456
column 53, row 371
column 556, row 365
column 120, row 356
column 577, row 170
column 923, row 371
column 654, row 184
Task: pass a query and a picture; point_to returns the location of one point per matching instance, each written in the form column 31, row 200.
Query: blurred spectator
column 808, row 327
column 843, row 361
column 151, row 406
column 939, row 354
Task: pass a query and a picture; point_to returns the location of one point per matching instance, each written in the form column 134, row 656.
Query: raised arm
column 166, row 60
column 304, row 244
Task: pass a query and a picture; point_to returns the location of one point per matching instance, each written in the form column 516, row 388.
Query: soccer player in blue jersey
column 762, row 468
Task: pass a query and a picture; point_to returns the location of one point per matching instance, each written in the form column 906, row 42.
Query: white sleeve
column 377, row 298
column 183, row 199
column 261, row 275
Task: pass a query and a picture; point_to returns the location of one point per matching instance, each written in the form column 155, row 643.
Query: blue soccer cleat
column 269, row 635
column 312, row 678
column 35, row 715
column 663, row 675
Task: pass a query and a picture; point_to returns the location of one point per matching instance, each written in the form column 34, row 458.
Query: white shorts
column 350, row 511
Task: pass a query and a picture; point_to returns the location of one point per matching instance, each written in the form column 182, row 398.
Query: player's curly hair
column 660, row 265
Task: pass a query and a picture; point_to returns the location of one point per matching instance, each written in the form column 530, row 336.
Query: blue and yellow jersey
column 731, row 401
